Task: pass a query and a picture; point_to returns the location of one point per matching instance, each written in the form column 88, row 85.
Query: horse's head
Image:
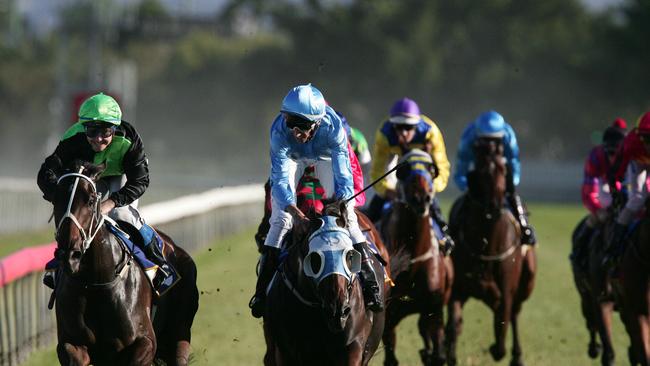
column 76, row 213
column 416, row 180
column 331, row 265
column 488, row 185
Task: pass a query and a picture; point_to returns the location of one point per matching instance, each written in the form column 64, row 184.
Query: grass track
column 552, row 327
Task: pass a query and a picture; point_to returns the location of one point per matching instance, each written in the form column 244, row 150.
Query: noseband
column 90, row 234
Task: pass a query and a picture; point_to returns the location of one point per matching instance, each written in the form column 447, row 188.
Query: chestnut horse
column 315, row 312
column 422, row 274
column 104, row 299
column 490, row 263
column 635, row 283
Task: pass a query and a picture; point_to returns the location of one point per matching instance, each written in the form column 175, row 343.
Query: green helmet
column 102, row 108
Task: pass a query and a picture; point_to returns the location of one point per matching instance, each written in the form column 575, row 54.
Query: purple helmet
column 405, row 111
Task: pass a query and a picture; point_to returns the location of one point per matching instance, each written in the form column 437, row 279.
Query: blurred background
column 202, row 80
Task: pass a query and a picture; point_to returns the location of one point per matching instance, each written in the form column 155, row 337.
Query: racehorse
column 315, row 312
column 635, row 284
column 104, row 299
column 422, row 274
column 599, row 293
column 490, row 263
column 583, row 285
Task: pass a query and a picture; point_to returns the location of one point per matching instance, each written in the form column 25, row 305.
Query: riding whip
column 378, row 179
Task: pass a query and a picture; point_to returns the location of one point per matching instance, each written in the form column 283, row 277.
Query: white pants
column 637, row 176
column 128, row 213
column 281, row 221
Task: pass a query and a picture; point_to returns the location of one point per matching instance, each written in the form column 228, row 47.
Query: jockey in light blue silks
column 308, row 132
column 491, row 125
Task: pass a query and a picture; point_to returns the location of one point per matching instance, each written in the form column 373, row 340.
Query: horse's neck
column 103, row 257
column 406, row 223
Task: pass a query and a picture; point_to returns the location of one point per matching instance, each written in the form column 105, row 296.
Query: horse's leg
column 501, row 323
column 72, row 355
column 454, row 327
column 355, row 354
column 431, row 327
column 141, row 352
column 516, row 346
column 604, row 319
column 394, row 314
column 593, row 348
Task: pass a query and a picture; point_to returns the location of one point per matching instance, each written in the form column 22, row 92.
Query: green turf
column 13, row 242
column 552, row 327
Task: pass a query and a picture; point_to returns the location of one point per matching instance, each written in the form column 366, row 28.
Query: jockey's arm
column 381, row 156
column 464, row 157
column 439, row 155
column 341, row 165
column 590, row 184
column 136, row 169
column 511, row 152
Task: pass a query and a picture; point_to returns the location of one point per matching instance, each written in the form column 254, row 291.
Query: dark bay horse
column 599, row 295
column 315, row 312
column 490, row 263
column 635, row 283
column 421, row 272
column 103, row 299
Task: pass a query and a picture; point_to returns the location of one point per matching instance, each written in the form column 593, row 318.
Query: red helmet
column 643, row 124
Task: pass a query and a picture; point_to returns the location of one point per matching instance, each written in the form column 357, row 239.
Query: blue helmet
column 305, row 101
column 490, row 124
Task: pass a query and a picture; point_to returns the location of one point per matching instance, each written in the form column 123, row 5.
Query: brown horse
column 422, row 274
column 489, row 261
column 635, row 283
column 315, row 312
column 104, row 300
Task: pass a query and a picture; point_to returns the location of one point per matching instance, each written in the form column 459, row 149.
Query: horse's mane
column 87, row 168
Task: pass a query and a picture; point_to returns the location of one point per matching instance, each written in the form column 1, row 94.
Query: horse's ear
column 94, row 171
column 403, row 171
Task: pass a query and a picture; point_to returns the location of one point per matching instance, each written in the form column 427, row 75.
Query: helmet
column 643, row 124
column 490, row 124
column 305, row 101
column 405, row 111
column 101, row 108
column 614, row 133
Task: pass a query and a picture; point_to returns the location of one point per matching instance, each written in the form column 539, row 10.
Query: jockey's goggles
column 103, row 130
column 403, row 127
column 301, row 124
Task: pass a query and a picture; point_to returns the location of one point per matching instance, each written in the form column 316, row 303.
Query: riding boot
column 581, row 247
column 165, row 275
column 268, row 264
column 369, row 279
column 527, row 231
column 446, row 243
column 616, row 246
column 375, row 208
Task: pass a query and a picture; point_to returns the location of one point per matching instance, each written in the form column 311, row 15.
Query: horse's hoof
column 426, row 357
column 496, row 353
column 594, row 350
column 516, row 362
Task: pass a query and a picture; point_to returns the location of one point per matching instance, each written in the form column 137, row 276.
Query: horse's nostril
column 346, row 311
column 76, row 254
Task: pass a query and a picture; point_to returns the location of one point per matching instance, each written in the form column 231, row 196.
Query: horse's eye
column 315, row 262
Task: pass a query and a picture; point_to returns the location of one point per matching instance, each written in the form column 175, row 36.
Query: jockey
column 407, row 129
column 491, row 125
column 596, row 195
column 633, row 160
column 307, row 132
column 358, row 142
column 101, row 136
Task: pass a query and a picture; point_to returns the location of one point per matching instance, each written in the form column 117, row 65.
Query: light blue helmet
column 305, row 101
column 490, row 124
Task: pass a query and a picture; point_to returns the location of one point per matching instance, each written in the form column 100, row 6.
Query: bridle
column 97, row 219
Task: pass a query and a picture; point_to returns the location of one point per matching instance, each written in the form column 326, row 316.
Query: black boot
column 370, row 282
column 616, row 246
column 527, row 231
column 165, row 276
column 581, row 246
column 446, row 243
column 375, row 208
column 268, row 265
